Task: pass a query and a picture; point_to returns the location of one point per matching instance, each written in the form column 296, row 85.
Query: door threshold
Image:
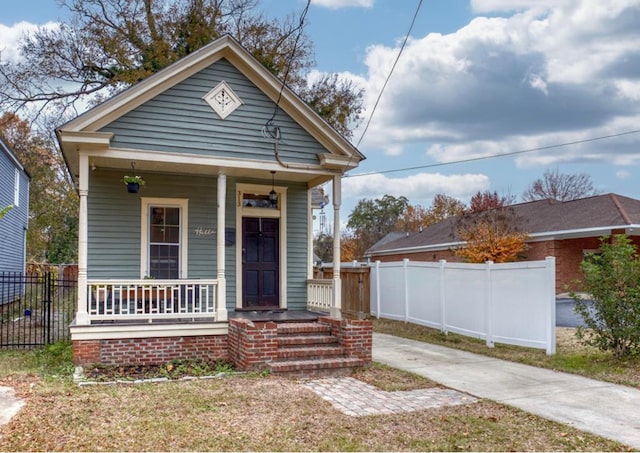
column 271, row 309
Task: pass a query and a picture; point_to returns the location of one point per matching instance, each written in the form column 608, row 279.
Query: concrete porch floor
column 276, row 315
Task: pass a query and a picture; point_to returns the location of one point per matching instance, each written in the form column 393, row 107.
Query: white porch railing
column 150, row 299
column 320, row 295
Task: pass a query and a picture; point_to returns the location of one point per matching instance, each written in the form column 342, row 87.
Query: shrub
column 612, row 278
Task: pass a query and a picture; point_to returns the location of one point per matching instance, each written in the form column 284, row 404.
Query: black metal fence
column 36, row 308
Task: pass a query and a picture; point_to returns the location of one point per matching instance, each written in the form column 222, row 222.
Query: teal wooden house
column 221, row 224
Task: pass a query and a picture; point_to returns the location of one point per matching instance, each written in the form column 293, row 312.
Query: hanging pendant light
column 273, row 195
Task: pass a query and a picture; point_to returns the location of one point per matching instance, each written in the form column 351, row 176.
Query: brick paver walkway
column 357, row 398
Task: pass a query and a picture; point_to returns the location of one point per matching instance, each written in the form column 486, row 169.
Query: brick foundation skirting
column 248, row 345
column 150, row 351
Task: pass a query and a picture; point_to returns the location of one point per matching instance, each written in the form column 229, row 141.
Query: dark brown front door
column 260, row 263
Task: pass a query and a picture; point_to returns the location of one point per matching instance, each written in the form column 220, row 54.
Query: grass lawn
column 571, row 356
column 252, row 413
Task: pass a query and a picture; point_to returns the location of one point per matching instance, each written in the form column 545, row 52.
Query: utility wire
column 493, row 156
column 373, row 110
column 404, row 43
column 298, row 29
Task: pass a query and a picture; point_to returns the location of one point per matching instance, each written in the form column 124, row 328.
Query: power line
column 493, row 156
column 406, row 38
column 297, row 30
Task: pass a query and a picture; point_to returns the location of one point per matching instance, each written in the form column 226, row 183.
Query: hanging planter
column 133, row 183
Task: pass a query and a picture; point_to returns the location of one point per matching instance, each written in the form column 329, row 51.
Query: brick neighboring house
column 566, row 230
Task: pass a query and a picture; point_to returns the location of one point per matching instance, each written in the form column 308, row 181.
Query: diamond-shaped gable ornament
column 222, row 99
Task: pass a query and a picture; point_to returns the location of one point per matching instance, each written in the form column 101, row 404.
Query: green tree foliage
column 4, row 210
column 560, row 186
column 53, row 202
column 108, row 45
column 371, row 220
column 612, row 278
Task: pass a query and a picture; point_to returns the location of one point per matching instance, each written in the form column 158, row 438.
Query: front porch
column 140, row 301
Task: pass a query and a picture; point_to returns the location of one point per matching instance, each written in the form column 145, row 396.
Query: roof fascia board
column 416, row 249
column 579, row 232
column 293, row 105
column 535, row 237
column 86, row 139
column 138, row 94
column 11, row 155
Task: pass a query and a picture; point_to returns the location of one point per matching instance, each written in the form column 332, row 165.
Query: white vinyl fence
column 512, row 303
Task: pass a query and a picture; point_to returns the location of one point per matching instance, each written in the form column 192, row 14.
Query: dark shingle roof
column 538, row 219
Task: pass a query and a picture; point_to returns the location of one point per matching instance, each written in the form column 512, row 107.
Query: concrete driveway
column 601, row 408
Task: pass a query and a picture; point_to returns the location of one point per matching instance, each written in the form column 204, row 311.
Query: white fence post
column 550, row 281
column 443, row 297
column 405, row 272
column 378, row 289
column 488, row 304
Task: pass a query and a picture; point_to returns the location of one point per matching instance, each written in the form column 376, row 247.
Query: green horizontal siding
column 297, row 237
column 180, row 121
column 114, row 217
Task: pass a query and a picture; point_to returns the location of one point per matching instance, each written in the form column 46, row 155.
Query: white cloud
column 10, row 38
column 623, row 174
column 338, row 4
column 549, row 72
column 419, row 188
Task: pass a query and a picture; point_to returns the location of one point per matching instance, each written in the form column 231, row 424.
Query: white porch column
column 336, row 308
column 221, row 299
column 82, row 315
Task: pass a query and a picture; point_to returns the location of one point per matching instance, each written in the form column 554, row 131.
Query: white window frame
column 280, row 212
column 16, row 189
column 183, row 204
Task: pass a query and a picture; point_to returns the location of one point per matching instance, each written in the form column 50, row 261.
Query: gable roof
column 541, row 220
column 84, row 129
column 12, row 157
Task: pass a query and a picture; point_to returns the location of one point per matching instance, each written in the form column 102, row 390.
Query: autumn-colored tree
column 53, row 203
column 108, row 45
column 490, row 230
column 560, row 186
column 483, row 201
column 442, row 207
column 412, row 219
column 415, row 217
column 490, row 239
column 349, row 250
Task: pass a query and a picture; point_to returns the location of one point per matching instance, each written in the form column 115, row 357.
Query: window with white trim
column 16, row 189
column 164, row 238
column 164, row 242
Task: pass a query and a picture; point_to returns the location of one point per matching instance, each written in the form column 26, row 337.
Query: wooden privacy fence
column 355, row 288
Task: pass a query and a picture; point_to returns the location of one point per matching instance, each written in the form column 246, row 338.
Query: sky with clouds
column 476, row 79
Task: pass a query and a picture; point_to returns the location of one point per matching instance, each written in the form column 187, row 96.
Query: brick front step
column 317, row 367
column 318, row 352
column 305, row 340
column 300, row 328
